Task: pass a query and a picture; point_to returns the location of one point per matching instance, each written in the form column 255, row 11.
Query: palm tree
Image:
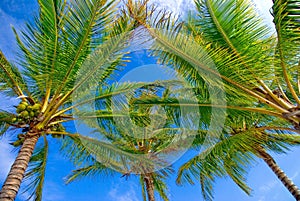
column 233, row 154
column 258, row 71
column 143, row 147
column 54, row 48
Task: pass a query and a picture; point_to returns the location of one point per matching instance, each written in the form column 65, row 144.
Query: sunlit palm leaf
column 287, row 23
column 11, row 79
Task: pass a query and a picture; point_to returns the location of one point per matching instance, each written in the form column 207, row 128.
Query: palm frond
column 83, row 27
column 196, row 64
column 5, row 121
column 287, row 24
column 159, row 182
column 11, row 79
column 73, row 149
column 96, row 169
column 228, row 157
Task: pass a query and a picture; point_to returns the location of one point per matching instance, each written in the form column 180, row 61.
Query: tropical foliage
column 259, row 73
column 52, row 50
column 243, row 76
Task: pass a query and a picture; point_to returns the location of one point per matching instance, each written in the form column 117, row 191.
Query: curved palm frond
column 160, row 185
column 287, row 24
column 233, row 154
column 5, row 121
column 94, row 170
column 11, row 80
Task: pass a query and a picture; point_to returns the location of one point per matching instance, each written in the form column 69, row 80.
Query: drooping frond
column 94, row 170
column 198, row 64
column 287, row 23
column 35, row 175
column 159, row 182
column 5, row 121
column 232, row 156
column 218, row 161
column 11, row 80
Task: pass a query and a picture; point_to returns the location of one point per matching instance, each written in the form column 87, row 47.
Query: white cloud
column 52, row 191
column 296, row 174
column 269, row 186
column 182, row 6
column 118, row 194
column 176, row 6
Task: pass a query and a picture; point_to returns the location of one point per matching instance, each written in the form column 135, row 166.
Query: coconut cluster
column 57, row 128
column 27, row 112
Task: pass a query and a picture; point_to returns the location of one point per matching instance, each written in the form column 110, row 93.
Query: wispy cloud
column 263, row 7
column 52, row 191
column 179, row 7
column 118, row 193
column 295, row 175
column 269, row 186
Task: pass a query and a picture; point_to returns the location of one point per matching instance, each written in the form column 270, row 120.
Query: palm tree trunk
column 149, row 186
column 287, row 182
column 13, row 181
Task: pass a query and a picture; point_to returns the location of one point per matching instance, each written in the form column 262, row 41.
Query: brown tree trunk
column 13, row 181
column 149, row 186
column 287, row 182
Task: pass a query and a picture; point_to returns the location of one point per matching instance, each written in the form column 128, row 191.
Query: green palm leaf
column 92, row 171
column 5, row 121
column 287, row 24
column 11, row 79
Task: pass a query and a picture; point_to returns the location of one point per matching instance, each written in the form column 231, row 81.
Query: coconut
column 36, row 106
column 21, row 107
column 61, row 128
column 24, row 114
column 24, row 103
column 29, row 108
column 56, row 136
column 13, row 120
column 31, row 114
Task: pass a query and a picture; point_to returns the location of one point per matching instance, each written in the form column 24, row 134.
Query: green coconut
column 56, row 136
column 29, row 108
column 21, row 107
column 13, row 120
column 24, row 114
column 31, row 114
column 24, row 103
column 61, row 128
column 21, row 120
column 36, row 106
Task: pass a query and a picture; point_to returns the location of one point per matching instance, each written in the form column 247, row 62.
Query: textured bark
column 13, row 181
column 287, row 182
column 149, row 186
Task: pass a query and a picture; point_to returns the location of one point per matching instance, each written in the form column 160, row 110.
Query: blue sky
column 261, row 179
